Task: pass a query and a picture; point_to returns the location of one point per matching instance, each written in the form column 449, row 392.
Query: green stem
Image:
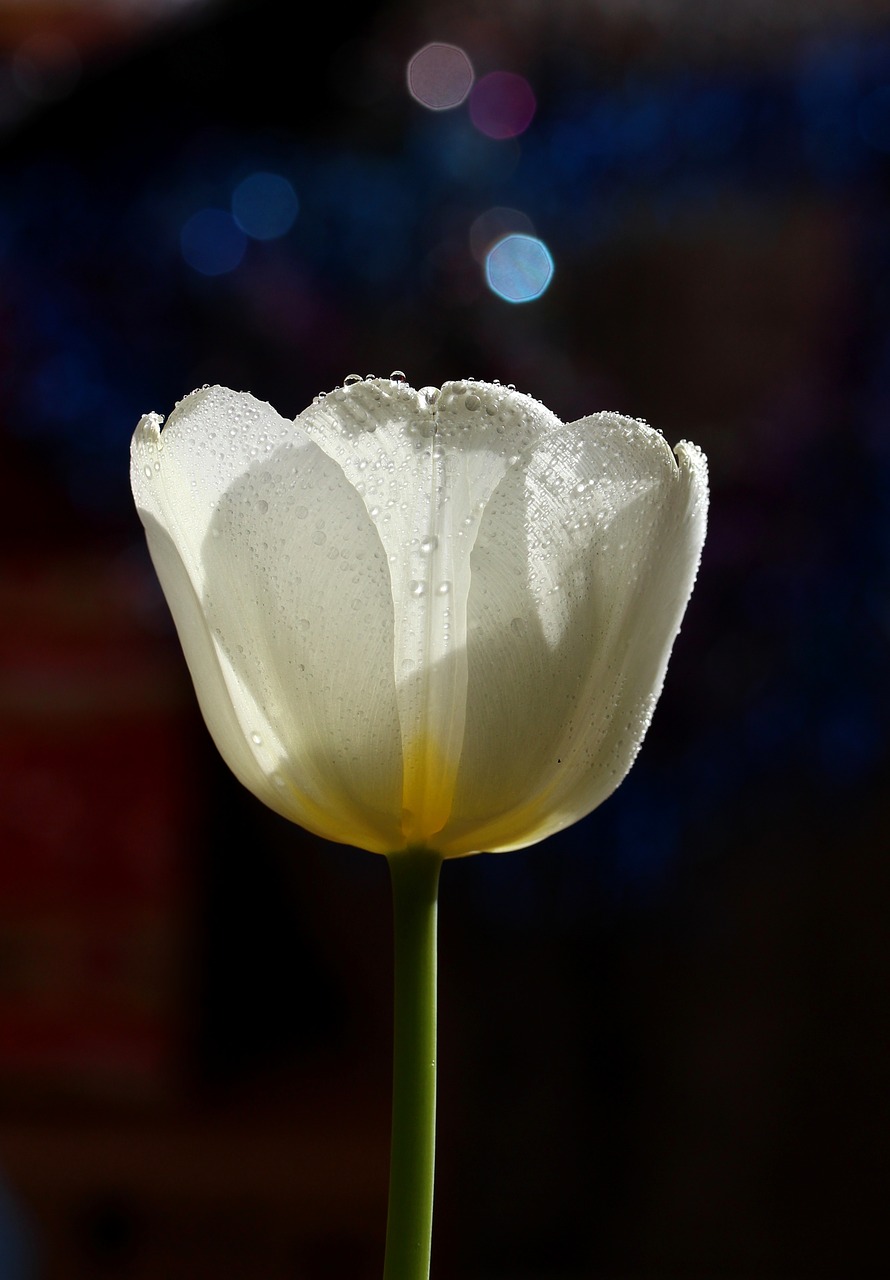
column 415, row 882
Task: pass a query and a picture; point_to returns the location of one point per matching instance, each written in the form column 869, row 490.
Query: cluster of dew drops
column 430, row 394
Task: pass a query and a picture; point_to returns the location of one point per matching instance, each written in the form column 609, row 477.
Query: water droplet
column 301, row 512
column 429, row 544
column 430, row 394
column 255, row 738
column 443, row 588
column 319, row 537
column 397, row 376
column 147, row 470
column 262, row 506
column 303, row 624
column 472, row 402
column 417, row 588
column 351, row 379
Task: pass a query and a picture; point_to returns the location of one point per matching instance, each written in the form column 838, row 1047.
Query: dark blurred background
column 665, row 1033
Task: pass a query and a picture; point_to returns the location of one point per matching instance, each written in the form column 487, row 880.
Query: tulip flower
column 425, row 623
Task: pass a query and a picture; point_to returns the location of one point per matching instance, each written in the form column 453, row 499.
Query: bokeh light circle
column 265, row 205
column 502, row 104
column 212, row 243
column 440, row 76
column 519, row 268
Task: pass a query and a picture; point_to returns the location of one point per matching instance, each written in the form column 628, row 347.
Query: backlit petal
column 585, row 559
column 425, row 465
column 280, row 591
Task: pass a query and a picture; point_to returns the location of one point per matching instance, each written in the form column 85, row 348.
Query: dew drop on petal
column 429, row 544
column 351, row 378
column 417, row 588
column 255, row 738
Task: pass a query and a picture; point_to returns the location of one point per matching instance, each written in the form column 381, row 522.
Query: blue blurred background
column 665, row 1034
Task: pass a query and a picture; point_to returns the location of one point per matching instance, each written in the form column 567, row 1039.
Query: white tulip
column 435, row 618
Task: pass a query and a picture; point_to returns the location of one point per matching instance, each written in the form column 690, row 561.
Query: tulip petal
column 425, row 464
column 249, row 525
column 586, row 556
